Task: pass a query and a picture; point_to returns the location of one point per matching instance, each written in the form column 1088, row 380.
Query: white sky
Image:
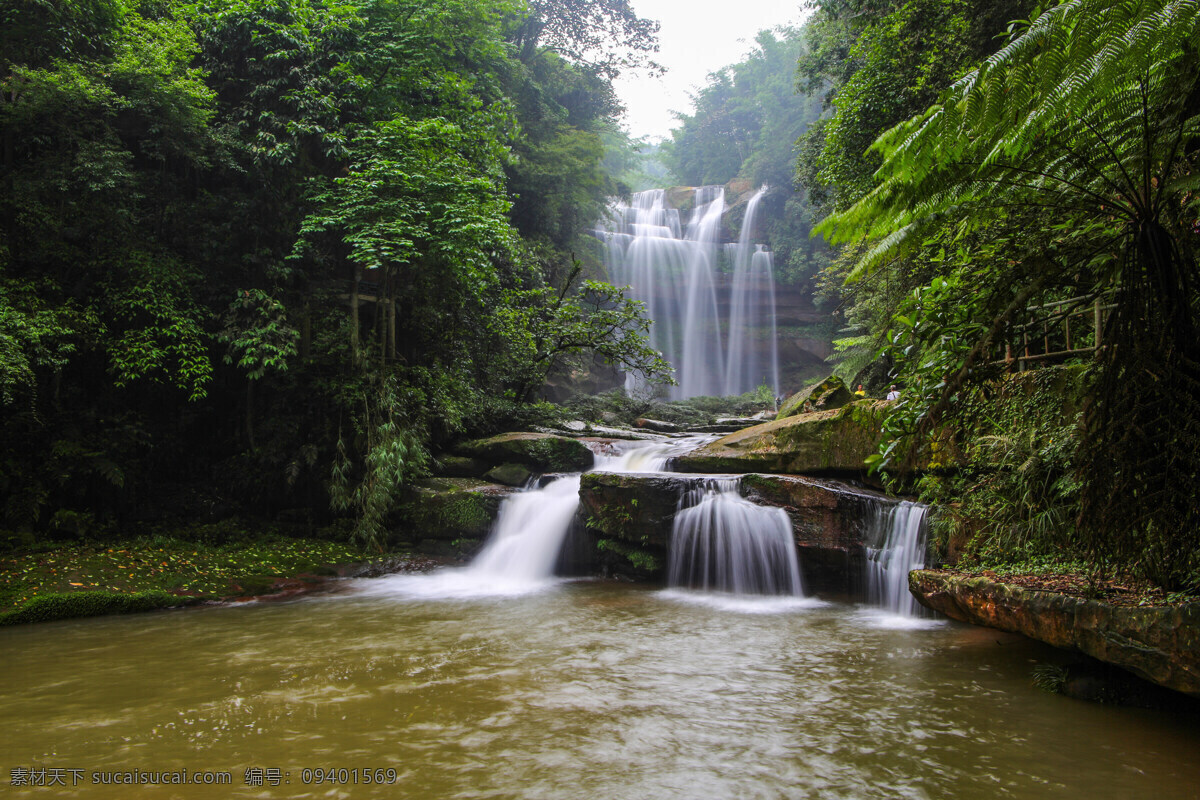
column 696, row 37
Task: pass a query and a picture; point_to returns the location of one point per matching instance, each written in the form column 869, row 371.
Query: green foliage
column 157, row 328
column 1014, row 494
column 34, row 338
column 257, row 332
column 436, row 163
column 391, row 457
column 546, row 329
column 1082, row 118
column 640, row 559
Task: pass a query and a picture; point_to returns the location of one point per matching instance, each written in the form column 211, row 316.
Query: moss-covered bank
column 89, row 579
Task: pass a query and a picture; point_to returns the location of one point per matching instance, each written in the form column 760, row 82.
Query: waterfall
column 899, row 534
column 751, row 310
column 531, row 527
column 528, row 533
column 676, row 271
column 723, row 542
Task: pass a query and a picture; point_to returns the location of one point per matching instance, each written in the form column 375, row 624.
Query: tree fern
column 1090, row 112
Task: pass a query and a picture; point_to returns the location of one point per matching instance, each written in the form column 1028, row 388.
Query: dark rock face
column 828, row 394
column 541, row 452
column 637, row 509
column 1161, row 645
column 460, row 466
column 833, row 442
column 637, row 512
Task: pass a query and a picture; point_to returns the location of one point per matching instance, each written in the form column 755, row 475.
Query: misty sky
column 696, row 38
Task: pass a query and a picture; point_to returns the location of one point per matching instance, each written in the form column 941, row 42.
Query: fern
column 1091, row 112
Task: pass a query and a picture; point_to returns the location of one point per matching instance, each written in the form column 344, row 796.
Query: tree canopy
column 302, row 241
column 1062, row 166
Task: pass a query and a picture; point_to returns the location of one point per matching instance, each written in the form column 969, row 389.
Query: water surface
column 584, row 690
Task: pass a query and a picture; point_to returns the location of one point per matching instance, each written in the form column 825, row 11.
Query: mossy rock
column 636, row 509
column 621, row 560
column 452, row 466
column 829, row 394
column 69, row 605
column 542, row 452
column 1159, row 644
column 508, row 474
column 448, row 509
column 833, row 442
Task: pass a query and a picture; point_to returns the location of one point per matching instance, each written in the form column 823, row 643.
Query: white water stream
column 520, row 554
column 899, row 537
column 712, row 306
column 722, row 542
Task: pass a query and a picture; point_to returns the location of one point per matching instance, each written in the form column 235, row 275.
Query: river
column 583, row 689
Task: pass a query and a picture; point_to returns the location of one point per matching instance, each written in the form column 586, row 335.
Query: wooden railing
column 1056, row 331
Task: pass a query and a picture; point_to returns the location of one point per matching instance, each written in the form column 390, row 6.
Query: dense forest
column 282, row 249
column 745, row 125
column 287, row 249
column 991, row 172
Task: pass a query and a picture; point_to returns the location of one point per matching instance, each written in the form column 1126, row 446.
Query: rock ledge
column 1160, row 644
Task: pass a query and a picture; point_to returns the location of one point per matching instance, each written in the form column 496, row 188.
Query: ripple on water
column 890, row 620
column 587, row 691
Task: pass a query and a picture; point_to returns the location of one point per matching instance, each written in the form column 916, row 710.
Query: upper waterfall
column 712, row 304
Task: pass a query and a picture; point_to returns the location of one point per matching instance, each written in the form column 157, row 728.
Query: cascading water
column 528, row 534
column 723, row 542
column 674, row 270
column 751, row 312
column 521, row 553
column 899, row 531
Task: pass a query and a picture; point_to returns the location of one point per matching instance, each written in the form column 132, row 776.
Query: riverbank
column 1154, row 636
column 144, row 573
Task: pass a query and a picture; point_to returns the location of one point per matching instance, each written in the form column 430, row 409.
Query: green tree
column 1091, row 116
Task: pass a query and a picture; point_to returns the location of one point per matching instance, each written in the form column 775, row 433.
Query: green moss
column 537, row 451
column 163, row 563
column 637, row 557
column 822, row 396
column 68, row 605
column 447, row 513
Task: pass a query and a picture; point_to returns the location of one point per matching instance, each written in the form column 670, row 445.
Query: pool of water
column 580, row 690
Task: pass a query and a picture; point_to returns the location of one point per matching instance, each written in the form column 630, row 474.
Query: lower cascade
column 899, row 531
column 723, row 542
column 532, row 524
column 529, row 532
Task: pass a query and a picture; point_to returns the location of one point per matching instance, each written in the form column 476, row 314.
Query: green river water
column 583, row 690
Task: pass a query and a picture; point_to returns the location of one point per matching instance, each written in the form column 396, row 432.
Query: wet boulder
column 1159, row 644
column 540, row 452
column 508, row 474
column 828, row 394
column 436, row 512
column 451, row 466
column 832, row 442
column 633, row 515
